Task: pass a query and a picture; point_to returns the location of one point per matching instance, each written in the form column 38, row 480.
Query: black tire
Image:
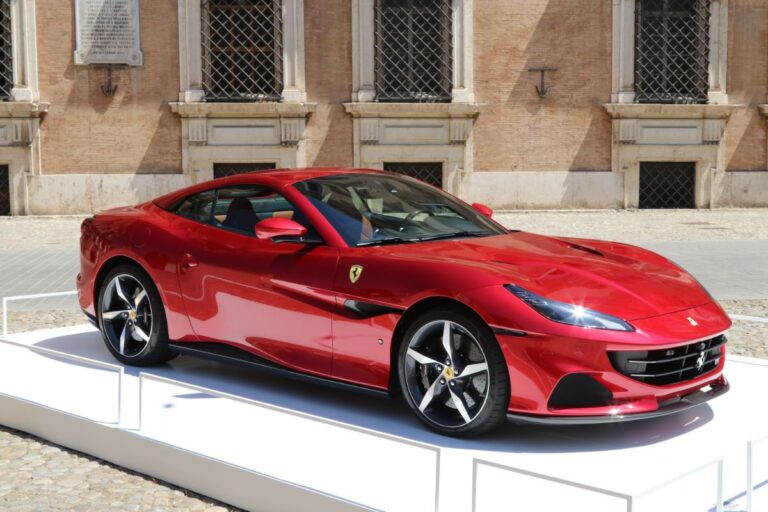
column 487, row 410
column 137, row 351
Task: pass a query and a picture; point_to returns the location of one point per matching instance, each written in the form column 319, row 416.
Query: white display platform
column 263, row 442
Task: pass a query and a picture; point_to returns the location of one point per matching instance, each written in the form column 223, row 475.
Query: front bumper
column 666, row 408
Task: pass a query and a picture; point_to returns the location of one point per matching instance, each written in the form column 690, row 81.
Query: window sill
column 24, row 109
column 666, row 111
column 267, row 109
column 763, row 109
column 399, row 110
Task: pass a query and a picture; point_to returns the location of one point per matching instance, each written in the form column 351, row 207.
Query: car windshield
column 376, row 209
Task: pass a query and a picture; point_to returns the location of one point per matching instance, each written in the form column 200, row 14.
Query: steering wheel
column 407, row 220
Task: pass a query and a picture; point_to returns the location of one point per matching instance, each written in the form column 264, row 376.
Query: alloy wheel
column 126, row 315
column 446, row 373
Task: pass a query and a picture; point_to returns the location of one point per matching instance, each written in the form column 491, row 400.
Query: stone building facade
column 517, row 104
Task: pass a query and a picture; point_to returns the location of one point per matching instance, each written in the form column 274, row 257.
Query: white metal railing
column 143, row 376
column 629, row 499
column 84, row 360
column 6, row 300
column 750, row 471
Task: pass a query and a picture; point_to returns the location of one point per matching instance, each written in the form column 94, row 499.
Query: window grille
column 672, row 51
column 6, row 51
column 414, row 50
column 667, row 185
column 429, row 172
column 5, row 190
column 224, row 170
column 242, row 55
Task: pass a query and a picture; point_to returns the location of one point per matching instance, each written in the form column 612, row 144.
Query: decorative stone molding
column 241, row 133
column 24, row 43
column 665, row 111
column 363, row 51
column 623, row 64
column 415, row 132
column 20, row 147
column 668, row 133
column 254, row 110
column 190, row 52
column 419, row 110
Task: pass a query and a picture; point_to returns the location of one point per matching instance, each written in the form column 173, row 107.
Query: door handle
column 188, row 261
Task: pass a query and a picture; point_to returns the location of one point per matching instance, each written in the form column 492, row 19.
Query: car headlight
column 569, row 314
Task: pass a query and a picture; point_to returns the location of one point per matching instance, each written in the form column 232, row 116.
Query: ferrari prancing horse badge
column 355, row 271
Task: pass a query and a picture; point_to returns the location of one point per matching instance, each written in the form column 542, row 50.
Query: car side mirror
column 482, row 209
column 274, row 228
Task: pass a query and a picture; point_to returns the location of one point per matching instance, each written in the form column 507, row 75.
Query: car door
column 272, row 299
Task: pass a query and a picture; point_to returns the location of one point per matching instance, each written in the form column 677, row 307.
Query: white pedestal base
column 262, row 442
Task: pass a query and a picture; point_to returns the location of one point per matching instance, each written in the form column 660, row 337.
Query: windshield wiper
column 455, row 234
column 387, row 241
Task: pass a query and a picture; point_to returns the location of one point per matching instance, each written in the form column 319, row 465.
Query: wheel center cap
column 449, row 372
column 132, row 314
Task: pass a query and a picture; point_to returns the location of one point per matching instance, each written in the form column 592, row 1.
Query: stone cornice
column 410, row 110
column 23, row 109
column 248, row 110
column 666, row 111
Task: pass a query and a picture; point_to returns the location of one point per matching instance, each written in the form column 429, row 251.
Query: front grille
column 670, row 365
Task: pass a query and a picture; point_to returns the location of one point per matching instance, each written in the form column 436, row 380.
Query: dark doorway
column 667, row 185
column 224, row 170
column 430, row 172
column 5, row 190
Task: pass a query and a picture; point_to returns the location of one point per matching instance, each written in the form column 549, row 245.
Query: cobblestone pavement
column 38, row 476
column 644, row 225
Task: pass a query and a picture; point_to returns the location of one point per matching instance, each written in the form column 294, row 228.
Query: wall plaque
column 107, row 32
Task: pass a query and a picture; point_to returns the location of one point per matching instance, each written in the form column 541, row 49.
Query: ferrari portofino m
column 377, row 281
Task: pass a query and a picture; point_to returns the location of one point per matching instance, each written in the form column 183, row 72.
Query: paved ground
column 726, row 250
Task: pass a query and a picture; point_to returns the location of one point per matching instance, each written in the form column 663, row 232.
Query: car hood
column 618, row 279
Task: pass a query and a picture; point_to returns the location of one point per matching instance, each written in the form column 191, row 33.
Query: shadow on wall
column 568, row 130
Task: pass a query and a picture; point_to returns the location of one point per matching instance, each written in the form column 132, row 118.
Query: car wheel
column 453, row 374
column 131, row 318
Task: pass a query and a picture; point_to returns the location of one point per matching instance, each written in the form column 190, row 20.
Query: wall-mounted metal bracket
column 542, row 89
column 109, row 89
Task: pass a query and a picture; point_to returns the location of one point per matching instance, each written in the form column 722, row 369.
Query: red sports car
column 377, row 281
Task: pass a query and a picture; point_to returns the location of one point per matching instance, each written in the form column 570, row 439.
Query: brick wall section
column 517, row 130
column 86, row 132
column 328, row 48
column 745, row 135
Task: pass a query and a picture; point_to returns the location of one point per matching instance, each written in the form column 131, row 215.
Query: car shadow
column 386, row 416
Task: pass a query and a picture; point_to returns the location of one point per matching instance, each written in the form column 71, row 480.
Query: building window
column 672, row 51
column 667, row 185
column 6, row 51
column 5, row 190
column 229, row 169
column 414, row 50
column 242, row 50
column 428, row 172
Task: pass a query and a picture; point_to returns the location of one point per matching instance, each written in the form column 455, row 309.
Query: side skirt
column 223, row 353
